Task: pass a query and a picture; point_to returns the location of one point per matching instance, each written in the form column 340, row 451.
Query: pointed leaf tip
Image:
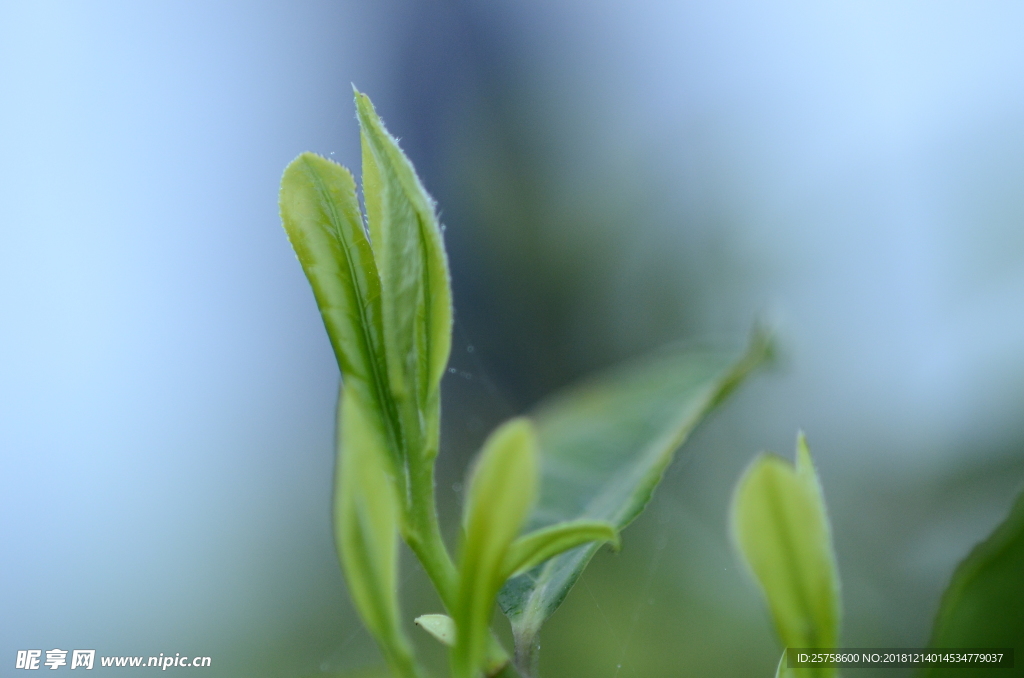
column 803, row 454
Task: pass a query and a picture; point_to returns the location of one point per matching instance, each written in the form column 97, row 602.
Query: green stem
column 423, row 534
column 421, row 528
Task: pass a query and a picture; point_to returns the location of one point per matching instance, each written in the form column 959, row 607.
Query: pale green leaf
column 781, row 528
column 530, row 550
column 440, row 626
column 501, row 490
column 406, row 239
column 321, row 215
column 984, row 604
column 604, row 447
column 366, row 515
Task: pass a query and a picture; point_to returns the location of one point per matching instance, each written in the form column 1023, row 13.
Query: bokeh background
column 612, row 176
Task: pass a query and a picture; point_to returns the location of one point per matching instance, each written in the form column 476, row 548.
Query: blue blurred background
column 612, row 176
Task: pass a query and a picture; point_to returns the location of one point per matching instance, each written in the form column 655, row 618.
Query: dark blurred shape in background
column 613, row 177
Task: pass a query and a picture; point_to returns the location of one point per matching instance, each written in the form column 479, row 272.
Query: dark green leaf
column 604, row 447
column 984, row 604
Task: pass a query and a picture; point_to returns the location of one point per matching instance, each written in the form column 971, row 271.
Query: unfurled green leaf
column 366, row 514
column 604, row 447
column 406, row 239
column 534, row 548
column 781, row 528
column 321, row 216
column 984, row 604
column 501, row 490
